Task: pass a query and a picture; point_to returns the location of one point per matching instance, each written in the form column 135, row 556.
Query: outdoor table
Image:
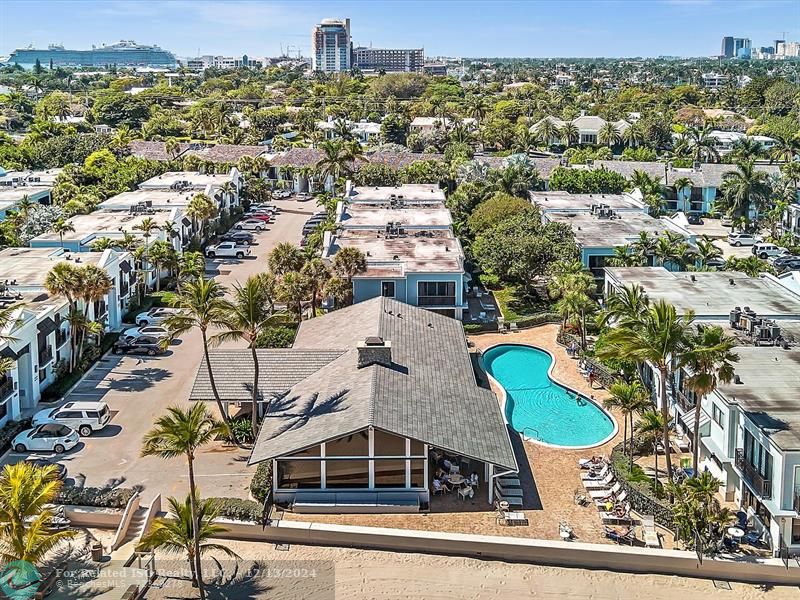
column 456, row 479
column 736, row 533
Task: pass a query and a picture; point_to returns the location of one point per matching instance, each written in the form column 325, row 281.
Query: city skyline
column 509, row 29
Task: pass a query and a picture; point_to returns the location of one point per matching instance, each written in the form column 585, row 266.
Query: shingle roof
column 154, row 150
column 308, row 157
column 428, row 394
column 227, row 153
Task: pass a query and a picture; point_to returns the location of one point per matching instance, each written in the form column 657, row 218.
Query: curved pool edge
column 503, row 399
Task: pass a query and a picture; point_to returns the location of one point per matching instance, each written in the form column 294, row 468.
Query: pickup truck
column 227, row 249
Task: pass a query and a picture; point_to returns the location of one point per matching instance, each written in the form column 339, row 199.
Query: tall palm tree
column 26, row 491
column 645, row 246
column 246, row 319
column 658, row 337
column 745, row 187
column 339, row 290
column 347, row 263
column 200, row 209
column 547, row 131
column 63, row 279
column 477, row 107
column 175, row 534
column 680, row 184
column 650, row 427
column 284, row 258
column 292, row 289
column 785, row 148
column 317, row 274
column 629, row 398
column 570, row 134
column 707, row 251
column 60, row 227
column 634, row 135
column 93, row 285
column 147, row 227
column 334, row 161
column 181, row 433
column 702, row 145
column 203, row 305
column 25, row 206
column 745, row 149
column 710, row 360
column 609, row 135
column 573, row 286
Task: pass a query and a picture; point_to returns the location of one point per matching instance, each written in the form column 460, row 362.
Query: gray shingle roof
column 428, row 394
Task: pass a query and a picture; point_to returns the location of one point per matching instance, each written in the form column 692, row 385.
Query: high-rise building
column 331, row 48
column 741, row 44
column 126, row 53
column 389, row 59
column 727, row 47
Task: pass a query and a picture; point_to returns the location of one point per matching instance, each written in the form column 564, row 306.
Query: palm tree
column 292, row 289
column 25, row 206
column 200, row 209
column 650, row 427
column 702, row 145
column 181, row 433
column 334, row 161
column 317, row 274
column 658, row 337
column 625, row 256
column 347, row 263
column 745, row 149
column 246, row 319
column 784, row 149
column 570, row 134
column 175, row 534
column 147, row 226
column 680, row 185
column 645, row 245
column 284, row 258
column 203, row 305
column 102, row 244
column 744, row 187
column 338, row 289
column 629, row 398
column 634, row 135
column 60, row 227
column 573, row 285
column 63, row 279
column 477, row 107
column 26, row 490
column 710, row 360
column 546, row 130
column 172, row 147
column 609, row 135
column 707, row 251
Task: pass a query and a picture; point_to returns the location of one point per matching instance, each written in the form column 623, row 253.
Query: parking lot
column 712, row 228
column 139, row 388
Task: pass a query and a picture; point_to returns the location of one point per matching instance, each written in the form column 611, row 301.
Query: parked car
column 251, row 225
column 142, row 345
column 240, row 237
column 152, row 330
column 694, row 219
column 229, row 249
column 789, row 263
column 154, row 316
column 265, row 206
column 83, row 417
column 726, row 222
column 304, row 197
column 265, row 217
column 48, row 437
column 61, row 470
column 742, row 239
column 764, row 250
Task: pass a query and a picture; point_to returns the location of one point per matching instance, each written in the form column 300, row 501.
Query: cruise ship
column 125, row 53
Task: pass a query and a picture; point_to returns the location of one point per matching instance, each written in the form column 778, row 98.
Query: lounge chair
column 600, row 484
column 626, row 535
column 601, row 502
column 512, row 500
column 513, row 327
column 589, row 463
column 613, row 517
column 509, row 482
column 651, row 539
column 592, row 475
column 509, row 491
column 600, row 494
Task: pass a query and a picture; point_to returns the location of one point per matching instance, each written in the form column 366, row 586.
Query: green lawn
column 516, row 304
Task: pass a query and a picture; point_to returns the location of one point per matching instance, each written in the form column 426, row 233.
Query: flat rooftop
column 29, row 266
column 195, row 179
column 592, row 231
column 770, row 378
column 107, row 223
column 711, row 294
column 159, row 198
column 409, row 192
column 370, row 216
column 439, row 253
column 564, row 201
column 9, row 196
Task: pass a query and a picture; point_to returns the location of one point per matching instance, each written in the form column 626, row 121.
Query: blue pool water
column 538, row 407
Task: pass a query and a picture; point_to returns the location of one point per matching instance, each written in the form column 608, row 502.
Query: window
column 346, row 473
column 390, row 473
column 433, row 293
column 795, row 531
column 70, row 414
column 387, row 289
column 299, row 474
column 717, row 414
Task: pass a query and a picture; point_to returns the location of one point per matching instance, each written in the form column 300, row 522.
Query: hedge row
column 238, row 509
column 97, row 497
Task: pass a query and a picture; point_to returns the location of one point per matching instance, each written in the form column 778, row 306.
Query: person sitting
column 439, row 473
column 438, row 486
column 619, row 511
column 609, row 505
column 473, row 479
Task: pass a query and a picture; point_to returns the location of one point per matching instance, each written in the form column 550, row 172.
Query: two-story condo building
column 39, row 335
column 15, row 185
column 406, row 235
column 749, row 434
column 224, row 188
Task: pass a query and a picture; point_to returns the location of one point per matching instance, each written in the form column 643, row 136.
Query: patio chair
column 482, row 317
column 606, row 493
column 509, row 491
column 602, row 502
column 513, row 327
column 509, row 482
column 600, row 484
column 622, row 536
column 463, row 492
column 512, row 500
column 651, row 539
column 597, row 474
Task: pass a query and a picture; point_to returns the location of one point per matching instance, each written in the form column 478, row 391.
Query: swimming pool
column 538, row 407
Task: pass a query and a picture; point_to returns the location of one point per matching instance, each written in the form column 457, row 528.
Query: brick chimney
column 374, row 350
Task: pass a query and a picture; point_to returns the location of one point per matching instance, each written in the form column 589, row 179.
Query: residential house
column 39, row 335
column 364, row 132
column 588, row 129
column 361, row 406
column 749, row 434
column 429, row 124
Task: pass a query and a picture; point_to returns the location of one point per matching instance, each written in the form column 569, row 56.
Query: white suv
column 742, row 239
column 83, row 417
column 154, row 316
column 766, row 251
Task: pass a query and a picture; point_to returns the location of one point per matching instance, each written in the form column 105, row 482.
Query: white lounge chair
column 649, row 532
column 591, row 476
column 600, row 494
column 601, row 502
column 601, row 484
column 513, row 327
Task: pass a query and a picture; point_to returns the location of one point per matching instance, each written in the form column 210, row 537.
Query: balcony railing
column 62, row 337
column 761, row 485
column 6, row 388
column 437, row 301
column 686, row 403
column 45, row 356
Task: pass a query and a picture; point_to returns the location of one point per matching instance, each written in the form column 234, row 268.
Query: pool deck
column 550, row 479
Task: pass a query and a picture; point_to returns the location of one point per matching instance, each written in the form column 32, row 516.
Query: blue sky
column 455, row 28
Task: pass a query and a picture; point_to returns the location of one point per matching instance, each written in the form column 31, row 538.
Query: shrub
column 472, row 327
column 491, row 281
column 238, row 509
column 276, row 337
column 92, row 496
column 539, row 319
column 242, row 431
column 262, row 481
column 10, row 430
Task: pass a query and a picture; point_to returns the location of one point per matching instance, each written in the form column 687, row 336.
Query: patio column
column 408, row 463
column 371, row 484
column 425, row 452
column 323, row 467
column 490, row 483
column 274, row 476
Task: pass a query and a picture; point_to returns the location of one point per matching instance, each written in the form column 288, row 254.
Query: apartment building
column 412, row 254
column 331, row 47
column 749, row 434
column 390, row 60
column 16, row 185
column 38, row 338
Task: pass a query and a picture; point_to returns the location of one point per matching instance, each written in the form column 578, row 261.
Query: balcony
column 6, row 388
column 686, row 404
column 62, row 337
column 436, row 301
column 761, row 485
column 45, row 356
